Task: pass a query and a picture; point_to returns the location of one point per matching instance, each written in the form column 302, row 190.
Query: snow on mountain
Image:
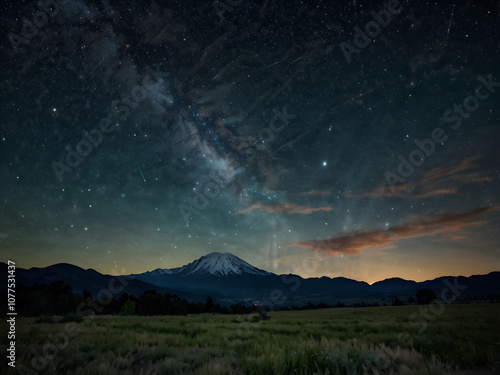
column 220, row 264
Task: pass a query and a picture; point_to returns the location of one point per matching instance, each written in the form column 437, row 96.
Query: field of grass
column 398, row 340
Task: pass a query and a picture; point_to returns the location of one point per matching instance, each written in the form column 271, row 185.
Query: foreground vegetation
column 399, row 340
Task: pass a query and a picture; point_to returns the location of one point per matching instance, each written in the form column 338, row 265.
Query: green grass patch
column 327, row 341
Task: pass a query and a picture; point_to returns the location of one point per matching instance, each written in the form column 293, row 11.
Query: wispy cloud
column 426, row 225
column 315, row 192
column 452, row 237
column 438, row 181
column 289, row 208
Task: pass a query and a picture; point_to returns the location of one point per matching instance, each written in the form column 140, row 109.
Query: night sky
column 148, row 134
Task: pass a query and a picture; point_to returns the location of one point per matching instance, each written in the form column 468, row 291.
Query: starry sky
column 351, row 138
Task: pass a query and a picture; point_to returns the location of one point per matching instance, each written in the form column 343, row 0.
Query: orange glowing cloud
column 452, row 238
column 289, row 208
column 438, row 181
column 427, row 225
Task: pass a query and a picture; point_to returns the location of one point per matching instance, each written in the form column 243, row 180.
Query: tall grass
column 330, row 341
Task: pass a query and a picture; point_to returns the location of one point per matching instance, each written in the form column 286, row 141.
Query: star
column 221, row 157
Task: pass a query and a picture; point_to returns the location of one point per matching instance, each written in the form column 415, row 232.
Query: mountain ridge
column 229, row 279
column 259, row 284
column 393, row 279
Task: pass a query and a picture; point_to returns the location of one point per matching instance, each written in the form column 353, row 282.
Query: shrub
column 425, row 296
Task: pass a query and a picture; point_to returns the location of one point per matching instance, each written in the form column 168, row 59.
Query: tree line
column 58, row 298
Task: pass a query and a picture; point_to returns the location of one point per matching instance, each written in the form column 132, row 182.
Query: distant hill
column 91, row 280
column 229, row 279
column 232, row 277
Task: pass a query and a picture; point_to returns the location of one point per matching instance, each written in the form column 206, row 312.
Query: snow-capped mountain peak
column 221, row 264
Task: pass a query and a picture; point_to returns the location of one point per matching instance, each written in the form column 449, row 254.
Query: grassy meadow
column 381, row 340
